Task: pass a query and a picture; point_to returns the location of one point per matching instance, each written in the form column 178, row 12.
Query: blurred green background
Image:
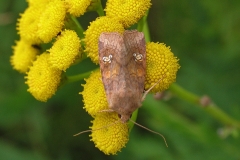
column 204, row 35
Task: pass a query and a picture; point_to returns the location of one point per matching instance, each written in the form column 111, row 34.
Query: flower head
column 161, row 64
column 94, row 96
column 42, row 79
column 51, row 20
column 127, row 12
column 102, row 24
column 65, row 50
column 109, row 134
column 27, row 25
column 23, row 55
column 76, row 7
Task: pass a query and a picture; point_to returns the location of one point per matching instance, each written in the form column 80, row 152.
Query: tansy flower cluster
column 41, row 23
column 53, row 23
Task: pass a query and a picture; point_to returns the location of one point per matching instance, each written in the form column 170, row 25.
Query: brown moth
column 122, row 59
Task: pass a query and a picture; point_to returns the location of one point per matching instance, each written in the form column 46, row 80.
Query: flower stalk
column 210, row 108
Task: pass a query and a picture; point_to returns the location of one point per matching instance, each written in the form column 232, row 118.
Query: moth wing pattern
column 136, row 46
column 109, row 46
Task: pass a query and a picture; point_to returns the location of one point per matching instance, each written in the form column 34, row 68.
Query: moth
column 122, row 59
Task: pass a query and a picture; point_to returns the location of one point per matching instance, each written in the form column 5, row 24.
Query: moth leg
column 147, row 91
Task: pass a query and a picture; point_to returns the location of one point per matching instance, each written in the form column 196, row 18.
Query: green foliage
column 204, row 35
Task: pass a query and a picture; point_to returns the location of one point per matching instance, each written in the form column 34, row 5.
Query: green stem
column 210, row 108
column 70, row 79
column 143, row 26
column 146, row 31
column 184, row 94
column 133, row 118
column 100, row 9
column 75, row 25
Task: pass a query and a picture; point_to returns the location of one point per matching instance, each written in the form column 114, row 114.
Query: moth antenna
column 147, row 91
column 106, row 110
column 90, row 130
column 150, row 131
column 82, row 132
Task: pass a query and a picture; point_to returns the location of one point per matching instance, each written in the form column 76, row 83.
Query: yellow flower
column 23, row 55
column 94, row 96
column 161, row 64
column 109, row 137
column 27, row 25
column 51, row 20
column 42, row 79
column 128, row 12
column 77, row 7
column 65, row 50
column 101, row 24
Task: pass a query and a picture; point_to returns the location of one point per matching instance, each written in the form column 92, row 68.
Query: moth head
column 124, row 118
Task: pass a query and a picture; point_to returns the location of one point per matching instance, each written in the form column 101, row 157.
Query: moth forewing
column 122, row 61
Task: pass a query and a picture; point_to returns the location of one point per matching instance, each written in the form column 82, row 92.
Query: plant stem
column 133, row 118
column 143, row 26
column 75, row 25
column 210, row 108
column 70, row 79
column 100, row 9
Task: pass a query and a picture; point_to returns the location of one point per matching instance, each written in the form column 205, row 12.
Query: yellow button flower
column 102, row 24
column 51, row 20
column 76, row 7
column 27, row 25
column 109, row 137
column 128, row 12
column 42, row 79
column 161, row 64
column 23, row 55
column 65, row 50
column 94, row 96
